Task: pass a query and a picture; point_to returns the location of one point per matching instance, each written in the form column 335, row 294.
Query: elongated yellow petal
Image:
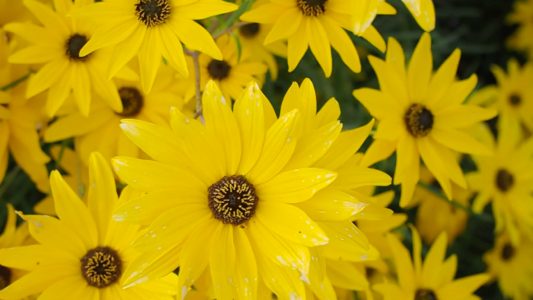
column 148, row 175
column 278, row 148
column 250, row 116
column 295, row 186
column 290, row 223
column 72, row 211
column 331, row 205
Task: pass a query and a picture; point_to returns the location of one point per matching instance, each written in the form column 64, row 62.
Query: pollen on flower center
column 232, row 200
column 425, row 294
column 250, row 30
column 153, row 12
column 515, row 100
column 218, row 69
column 5, row 277
column 73, row 46
column 101, row 267
column 312, row 8
column 508, row 251
column 132, row 101
column 504, row 180
column 418, row 120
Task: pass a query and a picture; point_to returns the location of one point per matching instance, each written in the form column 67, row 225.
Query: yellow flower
column 83, row 253
column 512, row 96
column 100, row 131
column 522, row 15
column 247, row 184
column 423, row 11
column 234, row 71
column 11, row 237
column 57, row 44
column 318, row 25
column 421, row 114
column 19, row 122
column 511, row 265
column 431, row 279
column 435, row 214
column 251, row 37
column 151, row 30
column 506, row 180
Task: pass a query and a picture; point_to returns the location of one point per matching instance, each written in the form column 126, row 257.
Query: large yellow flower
column 506, row 180
column 432, row 279
column 151, row 30
column 19, row 122
column 57, row 44
column 83, row 253
column 512, row 266
column 100, row 131
column 512, row 96
column 319, row 25
column 421, row 114
column 231, row 196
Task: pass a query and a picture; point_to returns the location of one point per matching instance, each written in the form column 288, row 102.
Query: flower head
column 431, row 279
column 82, row 253
column 56, row 44
column 249, row 183
column 318, row 25
column 152, row 30
column 421, row 115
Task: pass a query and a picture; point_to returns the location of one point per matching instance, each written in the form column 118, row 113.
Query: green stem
column 16, row 82
column 227, row 23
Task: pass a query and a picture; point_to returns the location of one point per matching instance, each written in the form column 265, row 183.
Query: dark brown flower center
column 250, row 30
column 73, row 46
column 312, row 8
column 515, row 99
column 425, row 294
column 418, row 120
column 504, row 180
column 232, row 200
column 508, row 251
column 101, row 267
column 5, row 277
column 218, row 69
column 153, row 12
column 132, row 101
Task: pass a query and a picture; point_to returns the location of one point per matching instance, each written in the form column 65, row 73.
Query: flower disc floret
column 153, row 12
column 101, row 267
column 232, row 200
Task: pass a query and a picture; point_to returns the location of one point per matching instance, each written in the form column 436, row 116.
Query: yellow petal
column 295, row 186
column 331, row 205
column 148, row 175
column 222, row 126
column 280, row 142
column 420, row 69
column 250, row 117
column 72, row 211
column 102, row 192
column 157, row 141
column 290, row 223
column 320, row 45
